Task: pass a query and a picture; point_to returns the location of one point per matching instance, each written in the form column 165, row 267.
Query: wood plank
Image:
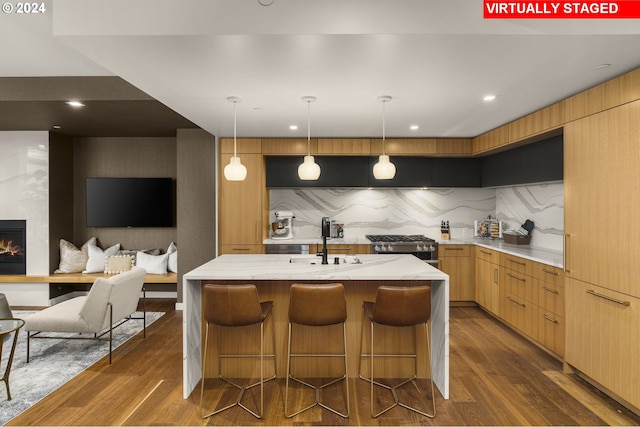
column 497, row 378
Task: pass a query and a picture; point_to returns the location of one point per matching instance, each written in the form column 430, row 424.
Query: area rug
column 53, row 363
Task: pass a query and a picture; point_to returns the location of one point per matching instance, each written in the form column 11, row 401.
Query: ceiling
column 436, row 59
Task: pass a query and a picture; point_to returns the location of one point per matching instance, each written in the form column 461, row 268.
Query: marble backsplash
column 419, row 211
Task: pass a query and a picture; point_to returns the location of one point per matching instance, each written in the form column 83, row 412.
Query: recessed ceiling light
column 75, row 103
column 293, row 127
column 488, row 98
column 414, row 127
column 602, row 66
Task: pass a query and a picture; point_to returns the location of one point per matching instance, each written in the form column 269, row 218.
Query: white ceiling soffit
column 437, row 59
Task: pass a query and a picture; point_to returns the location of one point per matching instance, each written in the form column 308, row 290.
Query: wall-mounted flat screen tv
column 130, row 202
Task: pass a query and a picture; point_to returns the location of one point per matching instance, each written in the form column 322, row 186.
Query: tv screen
column 130, row 202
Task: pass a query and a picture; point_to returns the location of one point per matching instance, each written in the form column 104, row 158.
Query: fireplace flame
column 9, row 249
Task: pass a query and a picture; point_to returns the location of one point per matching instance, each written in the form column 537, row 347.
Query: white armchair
column 109, row 303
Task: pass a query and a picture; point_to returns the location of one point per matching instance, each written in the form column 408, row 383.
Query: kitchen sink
column 318, row 259
column 306, row 259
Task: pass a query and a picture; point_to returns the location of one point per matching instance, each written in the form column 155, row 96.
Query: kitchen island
column 273, row 275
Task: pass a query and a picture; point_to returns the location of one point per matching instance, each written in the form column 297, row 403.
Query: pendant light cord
column 234, row 129
column 308, row 127
column 383, row 125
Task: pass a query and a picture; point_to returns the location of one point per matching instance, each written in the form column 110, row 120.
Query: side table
column 6, row 327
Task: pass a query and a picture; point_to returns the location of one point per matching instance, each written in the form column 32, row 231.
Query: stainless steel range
column 420, row 246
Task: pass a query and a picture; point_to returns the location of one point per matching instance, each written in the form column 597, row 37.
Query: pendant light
column 384, row 169
column 309, row 170
column 235, row 170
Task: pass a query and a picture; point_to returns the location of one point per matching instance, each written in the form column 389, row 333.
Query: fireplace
column 13, row 247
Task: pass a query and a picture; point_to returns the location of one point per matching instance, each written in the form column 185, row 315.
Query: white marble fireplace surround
column 24, row 191
column 417, row 211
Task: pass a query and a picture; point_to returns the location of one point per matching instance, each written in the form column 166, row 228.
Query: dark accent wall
column 196, row 207
column 60, row 194
column 121, row 157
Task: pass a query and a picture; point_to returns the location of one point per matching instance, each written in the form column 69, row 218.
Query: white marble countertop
column 279, row 267
column 541, row 255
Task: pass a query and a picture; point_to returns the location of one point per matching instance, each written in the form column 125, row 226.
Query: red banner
column 621, row 9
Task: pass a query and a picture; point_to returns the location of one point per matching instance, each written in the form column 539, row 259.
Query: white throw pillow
column 154, row 264
column 172, row 264
column 97, row 258
column 72, row 259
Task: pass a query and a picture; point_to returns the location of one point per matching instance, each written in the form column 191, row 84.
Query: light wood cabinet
column 540, row 121
column 405, row 146
column 457, row 262
column 346, row 146
column 488, row 280
column 490, row 140
column 243, row 146
column 602, row 238
column 602, row 337
column 346, row 249
column 288, row 146
column 454, row 146
column 239, row 249
column 520, row 294
column 241, row 207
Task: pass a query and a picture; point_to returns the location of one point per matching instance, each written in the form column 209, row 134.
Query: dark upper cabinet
column 335, row 171
column 455, row 172
column 538, row 162
column 410, row 172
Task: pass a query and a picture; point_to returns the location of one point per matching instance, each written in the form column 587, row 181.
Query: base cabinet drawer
column 551, row 298
column 551, row 331
column 522, row 315
column 602, row 336
column 241, row 249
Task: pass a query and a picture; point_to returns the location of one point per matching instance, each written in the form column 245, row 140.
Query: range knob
column 418, row 248
column 376, row 248
column 432, row 248
column 390, row 248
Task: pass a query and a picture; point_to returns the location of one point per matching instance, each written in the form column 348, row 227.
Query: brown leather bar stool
column 317, row 305
column 235, row 306
column 398, row 307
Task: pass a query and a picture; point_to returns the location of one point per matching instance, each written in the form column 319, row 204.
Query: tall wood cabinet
column 241, row 226
column 602, row 227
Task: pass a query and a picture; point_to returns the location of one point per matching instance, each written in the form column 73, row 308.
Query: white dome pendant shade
column 309, row 170
column 384, row 169
column 235, row 170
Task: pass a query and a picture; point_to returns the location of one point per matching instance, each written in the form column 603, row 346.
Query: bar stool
column 235, row 306
column 317, row 305
column 398, row 307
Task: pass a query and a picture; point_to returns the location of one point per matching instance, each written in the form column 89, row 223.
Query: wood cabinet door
column 240, row 203
column 456, row 261
column 602, row 337
column 601, row 175
column 488, row 285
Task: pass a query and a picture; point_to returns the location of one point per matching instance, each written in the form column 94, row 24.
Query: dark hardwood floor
column 497, row 378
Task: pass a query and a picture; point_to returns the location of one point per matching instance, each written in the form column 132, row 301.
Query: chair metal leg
column 318, row 396
column 242, row 389
column 393, row 389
